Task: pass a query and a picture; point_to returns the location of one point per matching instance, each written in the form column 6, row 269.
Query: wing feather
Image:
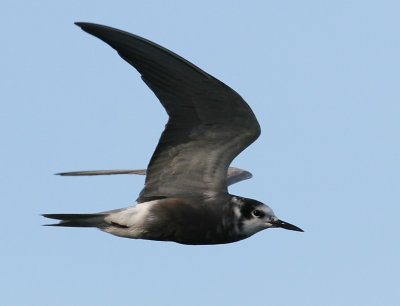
column 209, row 123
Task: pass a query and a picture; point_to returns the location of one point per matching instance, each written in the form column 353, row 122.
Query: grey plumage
column 206, row 119
column 77, row 220
column 182, row 220
column 104, row 172
column 185, row 198
column 234, row 175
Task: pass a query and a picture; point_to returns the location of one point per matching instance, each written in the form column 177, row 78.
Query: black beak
column 285, row 225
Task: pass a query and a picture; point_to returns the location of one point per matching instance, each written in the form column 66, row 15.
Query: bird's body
column 184, row 220
column 185, row 198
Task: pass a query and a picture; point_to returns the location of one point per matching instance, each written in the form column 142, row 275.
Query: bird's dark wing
column 103, row 172
column 235, row 175
column 209, row 123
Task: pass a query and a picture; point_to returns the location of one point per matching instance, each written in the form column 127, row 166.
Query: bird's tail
column 78, row 220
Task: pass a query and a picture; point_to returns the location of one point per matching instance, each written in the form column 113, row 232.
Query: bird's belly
column 172, row 220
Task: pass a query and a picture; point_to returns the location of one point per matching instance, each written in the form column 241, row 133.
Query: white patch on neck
column 236, row 210
column 237, row 201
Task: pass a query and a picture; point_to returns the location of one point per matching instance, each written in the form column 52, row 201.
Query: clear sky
column 323, row 80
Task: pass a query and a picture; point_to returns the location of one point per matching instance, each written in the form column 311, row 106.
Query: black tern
column 185, row 198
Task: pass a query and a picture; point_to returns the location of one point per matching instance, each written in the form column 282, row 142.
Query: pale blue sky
column 323, row 80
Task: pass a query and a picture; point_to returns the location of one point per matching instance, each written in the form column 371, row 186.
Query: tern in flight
column 185, row 198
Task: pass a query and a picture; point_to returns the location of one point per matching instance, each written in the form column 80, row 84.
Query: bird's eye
column 256, row 213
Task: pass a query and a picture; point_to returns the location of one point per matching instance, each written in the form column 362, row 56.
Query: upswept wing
column 209, row 123
column 103, row 172
column 235, row 175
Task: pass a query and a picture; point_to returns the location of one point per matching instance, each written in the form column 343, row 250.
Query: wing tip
column 88, row 26
column 81, row 24
column 103, row 172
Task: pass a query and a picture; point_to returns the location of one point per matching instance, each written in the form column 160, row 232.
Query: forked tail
column 77, row 220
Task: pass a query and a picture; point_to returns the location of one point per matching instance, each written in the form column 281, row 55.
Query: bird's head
column 254, row 216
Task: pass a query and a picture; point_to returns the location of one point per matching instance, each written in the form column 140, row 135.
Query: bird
column 185, row 197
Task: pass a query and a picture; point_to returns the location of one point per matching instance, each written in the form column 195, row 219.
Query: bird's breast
column 189, row 221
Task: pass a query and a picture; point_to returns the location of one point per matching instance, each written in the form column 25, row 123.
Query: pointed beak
column 285, row 225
